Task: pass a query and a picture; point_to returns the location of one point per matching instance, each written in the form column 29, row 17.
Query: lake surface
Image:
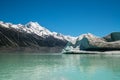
column 59, row 67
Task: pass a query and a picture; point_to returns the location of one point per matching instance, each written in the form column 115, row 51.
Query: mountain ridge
column 32, row 37
column 36, row 28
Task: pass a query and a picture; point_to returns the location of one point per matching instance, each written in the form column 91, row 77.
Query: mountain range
column 32, row 37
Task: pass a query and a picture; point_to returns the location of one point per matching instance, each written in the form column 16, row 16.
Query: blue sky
column 70, row 17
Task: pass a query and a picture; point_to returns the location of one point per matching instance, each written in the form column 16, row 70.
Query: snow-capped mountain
column 35, row 28
column 31, row 36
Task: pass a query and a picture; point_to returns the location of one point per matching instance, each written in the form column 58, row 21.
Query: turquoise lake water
column 59, row 67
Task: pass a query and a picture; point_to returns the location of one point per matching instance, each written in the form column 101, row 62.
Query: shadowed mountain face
column 115, row 36
column 13, row 40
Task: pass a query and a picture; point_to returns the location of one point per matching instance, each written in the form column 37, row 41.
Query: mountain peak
column 33, row 25
column 88, row 35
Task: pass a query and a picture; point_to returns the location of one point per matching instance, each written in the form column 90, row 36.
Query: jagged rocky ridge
column 89, row 42
column 31, row 38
